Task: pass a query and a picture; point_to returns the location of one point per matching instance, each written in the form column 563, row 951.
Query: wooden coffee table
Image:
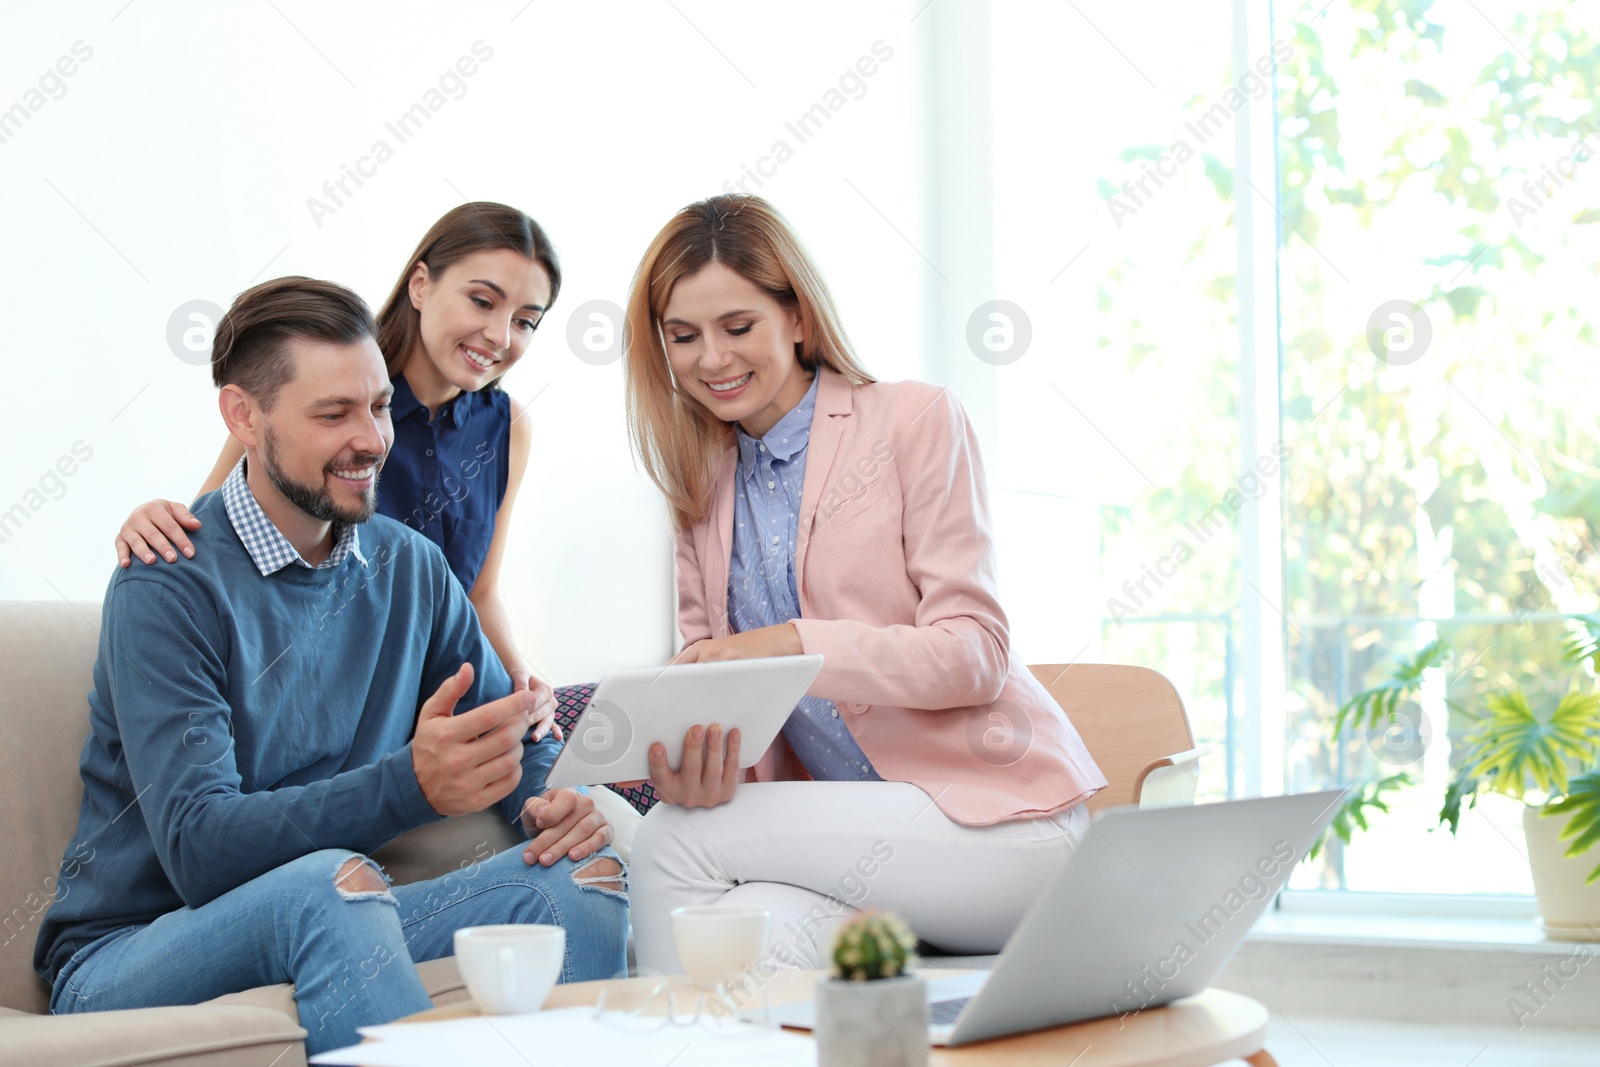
column 1210, row 1028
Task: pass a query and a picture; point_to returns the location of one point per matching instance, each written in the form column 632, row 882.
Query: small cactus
column 873, row 945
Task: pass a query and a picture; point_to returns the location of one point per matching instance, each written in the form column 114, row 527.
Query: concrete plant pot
column 882, row 1023
column 1569, row 909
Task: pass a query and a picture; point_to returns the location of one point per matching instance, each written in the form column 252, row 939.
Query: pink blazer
column 895, row 570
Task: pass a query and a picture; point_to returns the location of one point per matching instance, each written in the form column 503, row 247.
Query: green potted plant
column 1547, row 758
column 871, row 1011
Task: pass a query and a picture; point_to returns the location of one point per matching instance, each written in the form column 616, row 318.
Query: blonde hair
column 677, row 439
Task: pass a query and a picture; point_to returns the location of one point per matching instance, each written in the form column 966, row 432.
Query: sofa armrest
column 1170, row 780
column 205, row 1035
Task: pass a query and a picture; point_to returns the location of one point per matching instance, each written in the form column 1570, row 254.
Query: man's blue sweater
column 239, row 721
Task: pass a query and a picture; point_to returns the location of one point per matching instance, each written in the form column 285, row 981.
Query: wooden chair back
column 1132, row 721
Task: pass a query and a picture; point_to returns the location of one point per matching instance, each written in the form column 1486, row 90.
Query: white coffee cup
column 510, row 969
column 716, row 942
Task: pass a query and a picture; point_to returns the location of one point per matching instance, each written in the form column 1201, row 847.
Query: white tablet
column 633, row 709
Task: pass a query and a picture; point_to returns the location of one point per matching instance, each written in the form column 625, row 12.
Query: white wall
column 176, row 163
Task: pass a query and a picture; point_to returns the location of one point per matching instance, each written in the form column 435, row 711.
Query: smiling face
column 731, row 347
column 477, row 318
column 323, row 443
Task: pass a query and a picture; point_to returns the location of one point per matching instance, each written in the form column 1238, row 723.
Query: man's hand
column 466, row 762
column 708, row 775
column 780, row 640
column 544, row 702
column 563, row 822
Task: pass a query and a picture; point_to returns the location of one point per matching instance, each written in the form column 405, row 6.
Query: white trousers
column 816, row 852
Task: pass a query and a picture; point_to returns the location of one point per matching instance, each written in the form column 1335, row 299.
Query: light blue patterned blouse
column 761, row 587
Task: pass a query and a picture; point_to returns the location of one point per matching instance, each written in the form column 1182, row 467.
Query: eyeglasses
column 665, row 1003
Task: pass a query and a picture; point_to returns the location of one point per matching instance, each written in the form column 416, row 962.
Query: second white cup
column 716, row 942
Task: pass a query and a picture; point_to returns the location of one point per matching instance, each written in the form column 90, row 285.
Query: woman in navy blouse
column 459, row 317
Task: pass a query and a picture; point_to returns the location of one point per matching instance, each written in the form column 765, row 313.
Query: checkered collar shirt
column 269, row 550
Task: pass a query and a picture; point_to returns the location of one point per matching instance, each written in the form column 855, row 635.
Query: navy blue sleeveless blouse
column 446, row 478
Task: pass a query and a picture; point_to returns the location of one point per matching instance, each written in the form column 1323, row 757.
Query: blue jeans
column 349, row 954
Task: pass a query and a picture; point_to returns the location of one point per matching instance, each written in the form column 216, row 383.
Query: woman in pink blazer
column 819, row 511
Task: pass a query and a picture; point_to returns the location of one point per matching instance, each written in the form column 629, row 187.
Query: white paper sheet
column 569, row 1036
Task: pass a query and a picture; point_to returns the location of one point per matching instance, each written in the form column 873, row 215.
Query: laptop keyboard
column 944, row 1012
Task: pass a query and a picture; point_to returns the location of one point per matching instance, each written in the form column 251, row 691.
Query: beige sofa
column 47, row 653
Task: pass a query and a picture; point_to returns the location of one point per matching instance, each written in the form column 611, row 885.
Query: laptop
column 1149, row 908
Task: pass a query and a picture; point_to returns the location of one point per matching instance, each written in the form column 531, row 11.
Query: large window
column 1427, row 173
column 1437, row 274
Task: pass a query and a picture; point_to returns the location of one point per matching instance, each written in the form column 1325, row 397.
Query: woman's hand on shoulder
column 156, row 527
column 707, row 775
column 780, row 640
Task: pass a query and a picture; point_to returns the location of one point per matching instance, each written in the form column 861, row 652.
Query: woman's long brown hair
column 461, row 231
column 680, row 443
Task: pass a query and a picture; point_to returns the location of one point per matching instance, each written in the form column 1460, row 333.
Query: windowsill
column 1413, row 959
column 1373, row 928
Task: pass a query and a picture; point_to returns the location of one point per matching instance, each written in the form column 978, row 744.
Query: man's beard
column 315, row 500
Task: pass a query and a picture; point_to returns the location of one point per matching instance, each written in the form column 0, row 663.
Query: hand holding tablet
column 710, row 773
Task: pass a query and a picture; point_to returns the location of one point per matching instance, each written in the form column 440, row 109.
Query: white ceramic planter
column 1570, row 909
column 872, row 1024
